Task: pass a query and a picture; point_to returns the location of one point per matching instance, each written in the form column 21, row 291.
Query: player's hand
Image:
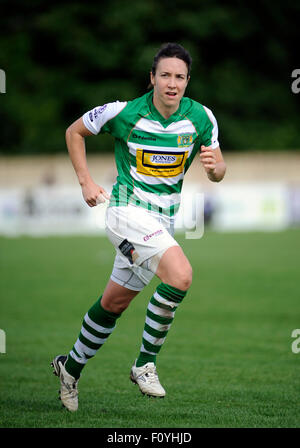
column 208, row 159
column 93, row 194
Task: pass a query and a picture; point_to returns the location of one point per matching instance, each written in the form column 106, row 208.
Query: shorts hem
column 121, row 283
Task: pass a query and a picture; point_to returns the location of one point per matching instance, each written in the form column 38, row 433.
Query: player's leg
column 98, row 323
column 116, row 298
column 174, row 269
column 175, row 272
column 143, row 243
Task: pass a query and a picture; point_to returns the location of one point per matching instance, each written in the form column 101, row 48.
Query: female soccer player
column 156, row 139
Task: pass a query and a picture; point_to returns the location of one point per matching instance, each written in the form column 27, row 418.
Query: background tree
column 63, row 58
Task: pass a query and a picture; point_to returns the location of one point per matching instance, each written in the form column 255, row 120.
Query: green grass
column 227, row 361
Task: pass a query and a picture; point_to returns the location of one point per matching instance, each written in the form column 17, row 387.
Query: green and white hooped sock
column 159, row 317
column 97, row 325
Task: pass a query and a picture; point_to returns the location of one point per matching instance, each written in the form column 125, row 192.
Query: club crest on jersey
column 184, row 140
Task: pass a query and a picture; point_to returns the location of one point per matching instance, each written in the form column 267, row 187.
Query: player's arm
column 75, row 140
column 213, row 163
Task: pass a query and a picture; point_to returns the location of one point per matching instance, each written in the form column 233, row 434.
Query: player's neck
column 165, row 111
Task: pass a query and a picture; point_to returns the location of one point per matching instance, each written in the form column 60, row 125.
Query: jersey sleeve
column 97, row 119
column 210, row 131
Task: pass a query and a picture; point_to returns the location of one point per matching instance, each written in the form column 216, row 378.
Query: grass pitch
column 227, row 361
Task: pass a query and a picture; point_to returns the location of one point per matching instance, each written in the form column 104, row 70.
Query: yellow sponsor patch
column 160, row 164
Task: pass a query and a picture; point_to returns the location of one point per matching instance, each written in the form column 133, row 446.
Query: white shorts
column 140, row 238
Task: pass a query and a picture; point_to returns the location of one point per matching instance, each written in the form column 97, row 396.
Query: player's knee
column 182, row 280
column 117, row 301
column 187, row 279
column 116, row 308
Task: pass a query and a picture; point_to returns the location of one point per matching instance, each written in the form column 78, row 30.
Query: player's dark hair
column 172, row 50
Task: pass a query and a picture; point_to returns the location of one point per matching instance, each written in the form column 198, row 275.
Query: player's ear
column 152, row 78
column 151, row 83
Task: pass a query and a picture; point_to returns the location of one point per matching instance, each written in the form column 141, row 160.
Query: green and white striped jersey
column 153, row 153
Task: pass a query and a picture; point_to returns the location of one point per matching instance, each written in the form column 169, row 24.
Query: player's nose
column 172, row 82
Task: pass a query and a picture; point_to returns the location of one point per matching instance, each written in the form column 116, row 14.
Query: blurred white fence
column 40, row 197
column 60, row 210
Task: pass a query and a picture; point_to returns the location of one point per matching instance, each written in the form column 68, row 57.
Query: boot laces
column 151, row 374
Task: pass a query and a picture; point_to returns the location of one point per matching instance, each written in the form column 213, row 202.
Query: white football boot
column 147, row 379
column 68, row 384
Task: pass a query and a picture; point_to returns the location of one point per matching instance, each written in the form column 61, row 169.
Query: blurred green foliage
column 63, row 58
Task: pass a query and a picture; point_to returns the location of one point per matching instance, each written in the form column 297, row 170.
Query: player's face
column 169, row 81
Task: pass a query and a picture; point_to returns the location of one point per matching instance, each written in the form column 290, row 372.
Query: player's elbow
column 72, row 136
column 68, row 134
column 70, row 131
